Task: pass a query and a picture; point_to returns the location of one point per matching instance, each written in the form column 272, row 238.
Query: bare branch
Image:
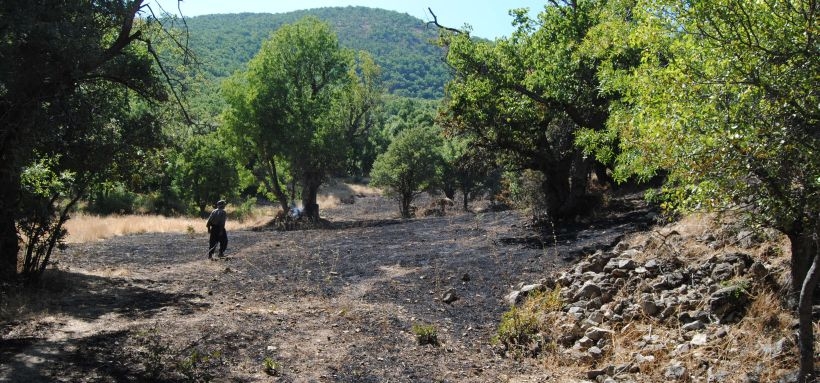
column 168, row 79
column 439, row 26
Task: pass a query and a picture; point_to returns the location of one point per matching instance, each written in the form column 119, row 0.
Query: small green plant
column 741, row 286
column 153, row 352
column 521, row 326
column 517, row 328
column 271, row 367
column 426, row 334
column 199, row 366
column 244, row 210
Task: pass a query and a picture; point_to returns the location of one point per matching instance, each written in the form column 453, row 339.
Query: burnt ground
column 325, row 305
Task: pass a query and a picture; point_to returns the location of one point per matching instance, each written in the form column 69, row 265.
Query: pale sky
column 489, row 19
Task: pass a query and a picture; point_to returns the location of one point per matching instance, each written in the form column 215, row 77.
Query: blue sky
column 489, row 19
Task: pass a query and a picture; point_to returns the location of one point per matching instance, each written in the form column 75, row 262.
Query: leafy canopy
column 411, row 165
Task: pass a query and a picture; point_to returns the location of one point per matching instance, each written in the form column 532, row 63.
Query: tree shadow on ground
column 88, row 297
column 29, row 351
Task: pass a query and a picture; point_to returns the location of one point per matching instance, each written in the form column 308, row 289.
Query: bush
column 426, row 334
column 521, row 328
column 244, row 210
column 112, row 199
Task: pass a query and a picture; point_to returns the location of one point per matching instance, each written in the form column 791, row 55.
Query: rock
column 681, row 349
column 587, row 291
column 532, row 288
column 600, row 373
column 674, row 279
column 597, row 333
column 513, row 298
column 649, row 307
column 620, row 247
column 631, row 253
column 777, row 348
column 719, row 376
column 698, row 339
column 641, row 359
column 723, row 271
column 596, row 316
column 746, row 239
column 675, row 370
column 595, row 352
column 727, row 301
column 585, row 342
column 693, row 326
column 626, row 264
column 758, row 271
column 449, row 296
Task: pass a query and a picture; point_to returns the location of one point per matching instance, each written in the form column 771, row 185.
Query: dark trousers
column 218, row 235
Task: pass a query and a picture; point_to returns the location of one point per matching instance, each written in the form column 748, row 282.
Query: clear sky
column 489, row 19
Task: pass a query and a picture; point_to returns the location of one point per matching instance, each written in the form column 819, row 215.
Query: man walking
column 216, row 227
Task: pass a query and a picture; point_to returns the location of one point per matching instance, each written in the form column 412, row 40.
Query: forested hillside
column 401, row 45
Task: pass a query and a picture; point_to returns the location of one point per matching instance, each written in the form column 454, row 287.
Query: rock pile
column 612, row 299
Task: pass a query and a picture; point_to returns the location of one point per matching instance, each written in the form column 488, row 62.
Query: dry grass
column 333, row 194
column 85, row 228
column 751, row 347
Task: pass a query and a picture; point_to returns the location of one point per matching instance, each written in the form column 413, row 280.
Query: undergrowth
column 521, row 330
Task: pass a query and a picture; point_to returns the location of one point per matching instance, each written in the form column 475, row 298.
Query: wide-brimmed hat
column 220, row 203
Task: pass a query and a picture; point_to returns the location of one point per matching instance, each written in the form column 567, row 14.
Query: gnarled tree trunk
column 310, row 192
column 9, row 241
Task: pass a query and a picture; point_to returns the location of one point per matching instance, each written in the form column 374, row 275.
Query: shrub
column 521, row 327
column 426, row 334
column 271, row 367
column 112, row 199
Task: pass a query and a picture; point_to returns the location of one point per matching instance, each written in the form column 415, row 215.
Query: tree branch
column 439, row 26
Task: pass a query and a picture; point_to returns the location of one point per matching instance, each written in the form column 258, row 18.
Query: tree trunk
column 803, row 249
column 9, row 242
column 806, row 334
column 9, row 246
column 310, row 190
column 406, row 201
column 272, row 183
column 565, row 186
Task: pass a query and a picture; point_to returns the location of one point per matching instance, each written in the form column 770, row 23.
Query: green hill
column 401, row 44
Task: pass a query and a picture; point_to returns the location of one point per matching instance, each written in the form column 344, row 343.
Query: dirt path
column 318, row 305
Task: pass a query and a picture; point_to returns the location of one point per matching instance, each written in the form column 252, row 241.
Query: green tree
column 466, row 169
column 725, row 102
column 411, row 165
column 359, row 112
column 206, row 171
column 70, row 73
column 525, row 97
column 299, row 105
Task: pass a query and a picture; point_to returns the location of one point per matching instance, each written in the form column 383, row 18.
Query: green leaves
column 300, row 106
column 723, row 99
column 411, row 164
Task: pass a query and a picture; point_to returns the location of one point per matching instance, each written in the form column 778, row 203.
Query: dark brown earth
column 325, row 305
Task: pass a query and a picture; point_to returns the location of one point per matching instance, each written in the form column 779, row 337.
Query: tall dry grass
column 86, row 228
